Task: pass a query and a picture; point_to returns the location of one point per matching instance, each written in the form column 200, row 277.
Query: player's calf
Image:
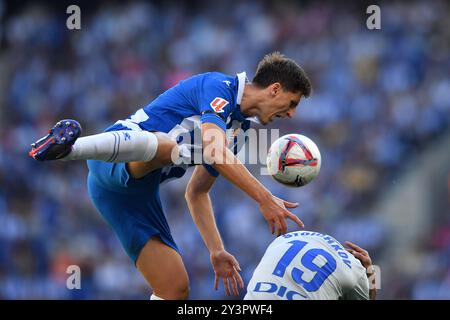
column 167, row 153
column 116, row 146
column 63, row 142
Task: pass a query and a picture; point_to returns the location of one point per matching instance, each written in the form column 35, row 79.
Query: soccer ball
column 293, row 160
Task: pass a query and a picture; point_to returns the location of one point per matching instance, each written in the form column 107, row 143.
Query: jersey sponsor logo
column 219, row 104
column 283, row 292
column 228, row 83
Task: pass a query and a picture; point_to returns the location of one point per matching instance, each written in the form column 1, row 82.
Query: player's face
column 279, row 104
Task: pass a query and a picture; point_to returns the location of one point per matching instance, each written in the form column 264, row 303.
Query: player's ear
column 275, row 88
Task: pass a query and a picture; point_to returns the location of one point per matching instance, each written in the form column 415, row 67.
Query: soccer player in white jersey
column 305, row 265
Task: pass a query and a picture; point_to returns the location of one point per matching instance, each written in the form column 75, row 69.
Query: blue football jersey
column 209, row 97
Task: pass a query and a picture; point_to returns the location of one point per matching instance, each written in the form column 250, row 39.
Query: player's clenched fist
column 274, row 211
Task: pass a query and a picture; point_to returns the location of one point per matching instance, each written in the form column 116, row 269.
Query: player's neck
column 250, row 100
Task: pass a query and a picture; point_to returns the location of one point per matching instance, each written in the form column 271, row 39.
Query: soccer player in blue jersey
column 129, row 161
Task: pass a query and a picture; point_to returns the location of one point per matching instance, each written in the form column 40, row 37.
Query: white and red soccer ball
column 294, row 160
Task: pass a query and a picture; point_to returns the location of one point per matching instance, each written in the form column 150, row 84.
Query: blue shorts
column 132, row 207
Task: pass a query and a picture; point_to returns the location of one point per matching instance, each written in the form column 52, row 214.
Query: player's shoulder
column 218, row 76
column 219, row 80
column 219, row 91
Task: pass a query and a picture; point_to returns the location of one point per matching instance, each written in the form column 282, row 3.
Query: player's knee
column 167, row 148
column 182, row 292
column 177, row 290
column 181, row 288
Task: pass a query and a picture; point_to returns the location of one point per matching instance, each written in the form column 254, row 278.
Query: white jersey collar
column 242, row 80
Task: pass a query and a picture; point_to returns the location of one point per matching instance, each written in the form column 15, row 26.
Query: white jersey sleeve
column 360, row 291
column 305, row 265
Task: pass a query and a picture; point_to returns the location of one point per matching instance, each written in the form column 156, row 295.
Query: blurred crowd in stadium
column 380, row 98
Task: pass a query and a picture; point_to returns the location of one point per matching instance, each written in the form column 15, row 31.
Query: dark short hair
column 275, row 67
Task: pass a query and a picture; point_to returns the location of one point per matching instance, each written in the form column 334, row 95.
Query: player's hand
column 359, row 253
column 275, row 212
column 226, row 268
column 363, row 256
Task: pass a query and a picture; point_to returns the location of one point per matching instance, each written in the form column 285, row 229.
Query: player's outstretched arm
column 224, row 264
column 228, row 165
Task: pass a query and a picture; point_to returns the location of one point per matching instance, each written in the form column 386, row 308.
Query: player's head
column 282, row 83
